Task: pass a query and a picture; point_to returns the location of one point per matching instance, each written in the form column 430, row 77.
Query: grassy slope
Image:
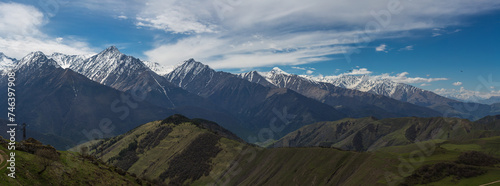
column 329, row 166
column 239, row 164
column 154, row 161
column 308, row 166
column 445, row 151
column 68, row 170
column 374, row 134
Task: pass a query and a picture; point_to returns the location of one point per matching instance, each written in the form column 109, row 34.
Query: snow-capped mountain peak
column 191, row 65
column 112, row 50
column 111, row 54
column 276, row 77
column 68, row 61
column 277, row 70
column 364, row 83
column 108, row 66
column 6, row 63
column 188, row 70
column 159, row 68
column 36, row 59
column 271, row 76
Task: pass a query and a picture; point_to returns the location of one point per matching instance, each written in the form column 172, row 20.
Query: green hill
column 396, row 165
column 37, row 164
column 368, row 134
column 176, row 150
column 181, row 151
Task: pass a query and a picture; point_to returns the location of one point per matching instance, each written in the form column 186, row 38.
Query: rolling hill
column 368, row 134
column 38, row 164
column 182, row 151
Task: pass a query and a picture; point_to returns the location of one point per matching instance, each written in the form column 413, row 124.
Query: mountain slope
column 176, row 150
column 128, row 74
column 256, row 106
column 181, row 151
column 61, row 104
column 352, row 102
column 134, row 77
column 65, row 168
column 371, row 134
column 6, row 63
column 414, row 95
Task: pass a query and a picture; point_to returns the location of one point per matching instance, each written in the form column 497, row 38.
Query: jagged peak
column 158, row 68
column 190, row 60
column 112, row 49
column 5, row 57
column 34, row 55
column 189, row 66
column 277, row 70
column 193, row 64
column 37, row 58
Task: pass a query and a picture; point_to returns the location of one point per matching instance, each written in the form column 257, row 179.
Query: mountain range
column 134, row 116
column 378, row 86
column 58, row 92
column 352, row 102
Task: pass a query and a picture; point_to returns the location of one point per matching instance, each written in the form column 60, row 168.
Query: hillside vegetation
column 37, row 164
column 174, row 151
column 182, row 151
column 368, row 134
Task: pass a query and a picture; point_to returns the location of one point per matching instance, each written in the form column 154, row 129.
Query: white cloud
column 381, row 48
column 436, row 34
column 361, row 71
column 440, row 31
column 20, row 33
column 309, row 70
column 458, row 83
column 465, row 94
column 287, row 30
column 19, row 48
column 122, row 17
column 18, row 19
column 407, row 48
column 177, row 16
column 403, row 78
column 243, row 52
column 399, row 78
column 299, row 68
column 223, row 32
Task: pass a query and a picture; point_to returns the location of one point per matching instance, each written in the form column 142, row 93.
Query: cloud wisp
column 458, row 83
column 231, row 34
column 398, row 78
column 381, row 48
column 20, row 33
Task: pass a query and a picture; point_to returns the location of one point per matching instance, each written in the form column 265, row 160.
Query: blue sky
column 443, row 45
